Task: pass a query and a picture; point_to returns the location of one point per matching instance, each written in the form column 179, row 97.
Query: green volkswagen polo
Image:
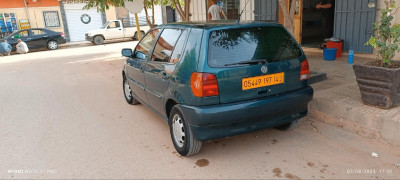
column 215, row 80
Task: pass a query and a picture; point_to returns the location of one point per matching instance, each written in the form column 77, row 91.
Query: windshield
column 232, row 46
column 105, row 24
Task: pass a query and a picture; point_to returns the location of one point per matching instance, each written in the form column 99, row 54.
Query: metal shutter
column 353, row 23
column 266, row 10
column 76, row 27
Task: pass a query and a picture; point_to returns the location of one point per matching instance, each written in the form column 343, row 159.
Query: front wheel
column 136, row 36
column 52, row 45
column 98, row 40
column 182, row 136
column 128, row 92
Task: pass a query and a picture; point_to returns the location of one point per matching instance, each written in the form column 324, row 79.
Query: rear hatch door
column 254, row 62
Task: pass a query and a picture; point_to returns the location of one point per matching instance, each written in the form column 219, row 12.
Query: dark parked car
column 36, row 38
column 210, row 81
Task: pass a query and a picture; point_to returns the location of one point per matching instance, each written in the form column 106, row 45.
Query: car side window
column 165, row 45
column 21, row 34
column 178, row 50
column 38, row 32
column 145, row 46
column 114, row 24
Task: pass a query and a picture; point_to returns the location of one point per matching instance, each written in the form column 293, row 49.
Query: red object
column 337, row 45
column 204, row 84
column 305, row 70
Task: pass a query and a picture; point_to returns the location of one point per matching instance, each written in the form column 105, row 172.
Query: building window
column 51, row 19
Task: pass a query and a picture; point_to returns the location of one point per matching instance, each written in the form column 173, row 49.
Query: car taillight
column 204, row 84
column 305, row 70
column 62, row 34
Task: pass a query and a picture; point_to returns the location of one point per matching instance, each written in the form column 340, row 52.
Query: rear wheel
column 182, row 136
column 289, row 126
column 52, row 45
column 136, row 36
column 98, row 40
column 128, row 92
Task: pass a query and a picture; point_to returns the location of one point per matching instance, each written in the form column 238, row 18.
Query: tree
column 288, row 13
column 103, row 5
column 184, row 14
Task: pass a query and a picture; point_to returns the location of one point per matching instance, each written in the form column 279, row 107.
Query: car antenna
column 238, row 19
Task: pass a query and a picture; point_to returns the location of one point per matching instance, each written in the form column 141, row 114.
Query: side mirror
column 126, row 52
column 140, row 55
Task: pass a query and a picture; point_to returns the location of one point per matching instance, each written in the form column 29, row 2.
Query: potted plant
column 379, row 81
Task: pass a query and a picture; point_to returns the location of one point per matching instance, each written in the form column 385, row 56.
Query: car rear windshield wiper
column 256, row 61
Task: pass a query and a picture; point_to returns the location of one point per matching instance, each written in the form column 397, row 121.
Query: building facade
column 20, row 14
column 352, row 20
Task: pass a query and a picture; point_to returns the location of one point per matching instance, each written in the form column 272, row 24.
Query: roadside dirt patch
column 277, row 172
column 291, row 176
column 274, row 141
column 202, row 162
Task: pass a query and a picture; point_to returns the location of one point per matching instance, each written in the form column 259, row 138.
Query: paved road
column 63, row 115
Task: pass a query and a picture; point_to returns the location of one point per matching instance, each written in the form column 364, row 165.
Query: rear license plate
column 262, row 81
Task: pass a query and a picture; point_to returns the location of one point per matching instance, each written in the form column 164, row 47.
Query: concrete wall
column 122, row 12
column 248, row 13
column 111, row 14
column 199, row 9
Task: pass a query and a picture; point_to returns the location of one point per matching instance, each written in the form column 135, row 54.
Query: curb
column 334, row 107
column 317, row 76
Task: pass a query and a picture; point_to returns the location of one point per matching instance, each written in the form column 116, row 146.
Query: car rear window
column 230, row 46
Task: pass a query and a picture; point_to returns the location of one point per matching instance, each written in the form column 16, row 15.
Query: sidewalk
column 337, row 101
column 76, row 44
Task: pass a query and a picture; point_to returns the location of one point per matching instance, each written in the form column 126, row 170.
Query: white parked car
column 114, row 30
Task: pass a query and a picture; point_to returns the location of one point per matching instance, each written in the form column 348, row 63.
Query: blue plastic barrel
column 330, row 54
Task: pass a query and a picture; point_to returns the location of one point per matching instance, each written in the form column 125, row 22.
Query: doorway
column 313, row 30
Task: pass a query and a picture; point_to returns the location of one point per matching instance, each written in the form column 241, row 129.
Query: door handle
column 164, row 76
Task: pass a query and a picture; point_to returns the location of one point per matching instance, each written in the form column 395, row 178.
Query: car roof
column 45, row 29
column 221, row 24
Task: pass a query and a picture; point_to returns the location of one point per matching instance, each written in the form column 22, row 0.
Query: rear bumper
column 218, row 121
column 62, row 41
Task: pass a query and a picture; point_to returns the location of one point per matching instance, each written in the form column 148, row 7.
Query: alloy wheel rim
column 52, row 45
column 127, row 90
column 178, row 130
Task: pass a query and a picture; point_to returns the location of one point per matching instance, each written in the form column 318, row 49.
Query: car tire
column 136, row 35
column 289, row 126
column 128, row 92
column 52, row 45
column 181, row 134
column 98, row 40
